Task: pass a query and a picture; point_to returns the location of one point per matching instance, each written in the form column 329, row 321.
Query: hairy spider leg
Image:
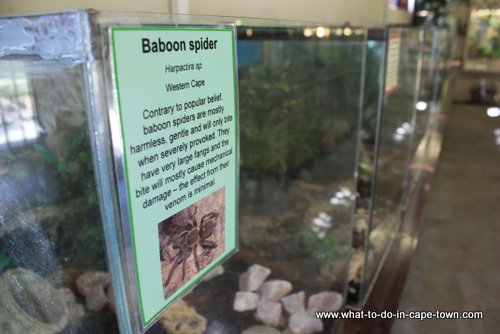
column 192, row 215
column 186, row 255
column 209, row 216
column 206, row 229
column 208, row 244
column 178, row 261
column 196, row 262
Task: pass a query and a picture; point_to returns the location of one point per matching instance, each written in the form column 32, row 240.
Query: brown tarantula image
column 195, row 235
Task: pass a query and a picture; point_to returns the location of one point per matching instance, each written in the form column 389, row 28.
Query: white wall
column 398, row 16
column 356, row 12
column 370, row 13
column 13, row 7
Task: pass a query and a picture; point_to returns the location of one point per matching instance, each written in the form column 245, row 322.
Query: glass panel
column 441, row 45
column 396, row 131
column 372, row 108
column 423, row 105
column 53, row 273
column 428, row 102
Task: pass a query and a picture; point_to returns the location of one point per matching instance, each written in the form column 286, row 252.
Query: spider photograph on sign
column 190, row 240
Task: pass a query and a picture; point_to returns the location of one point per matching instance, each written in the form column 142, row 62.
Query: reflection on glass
column 17, row 122
column 493, row 112
column 421, row 106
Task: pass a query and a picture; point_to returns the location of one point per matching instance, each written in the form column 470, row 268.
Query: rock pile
column 269, row 298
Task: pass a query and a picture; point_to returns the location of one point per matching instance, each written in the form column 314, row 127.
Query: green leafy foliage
column 7, row 155
column 279, row 129
column 44, row 153
column 322, row 250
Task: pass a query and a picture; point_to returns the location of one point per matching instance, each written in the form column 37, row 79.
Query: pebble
column 182, row 318
column 245, row 301
column 253, row 278
column 217, row 327
column 324, row 301
column 275, row 289
column 303, row 323
column 321, row 223
column 93, row 285
column 325, row 216
column 269, row 312
column 295, row 302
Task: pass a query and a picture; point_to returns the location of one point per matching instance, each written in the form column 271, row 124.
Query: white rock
column 324, row 301
column 269, row 312
column 275, row 289
column 217, row 327
column 295, row 302
column 346, row 191
column 245, row 301
column 321, row 223
column 261, row 330
column 325, row 216
column 253, row 278
column 303, row 323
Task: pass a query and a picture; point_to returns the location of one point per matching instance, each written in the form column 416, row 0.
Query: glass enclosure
column 375, row 58
column 427, row 106
column 300, row 90
column 425, row 94
column 54, row 275
column 409, row 113
column 394, row 151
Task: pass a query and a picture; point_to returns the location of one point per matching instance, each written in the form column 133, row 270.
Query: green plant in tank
column 278, row 130
column 73, row 169
column 322, row 248
column 44, row 153
column 7, row 155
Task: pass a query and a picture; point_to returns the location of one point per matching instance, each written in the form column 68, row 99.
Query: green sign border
column 182, row 291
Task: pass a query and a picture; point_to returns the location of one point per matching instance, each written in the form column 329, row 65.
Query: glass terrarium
column 427, row 108
column 375, row 56
column 62, row 240
column 424, row 101
column 396, row 136
column 407, row 118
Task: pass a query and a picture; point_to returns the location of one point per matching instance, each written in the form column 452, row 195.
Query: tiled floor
column 457, row 261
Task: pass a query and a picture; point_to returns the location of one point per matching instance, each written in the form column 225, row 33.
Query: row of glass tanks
column 397, row 122
column 312, row 109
